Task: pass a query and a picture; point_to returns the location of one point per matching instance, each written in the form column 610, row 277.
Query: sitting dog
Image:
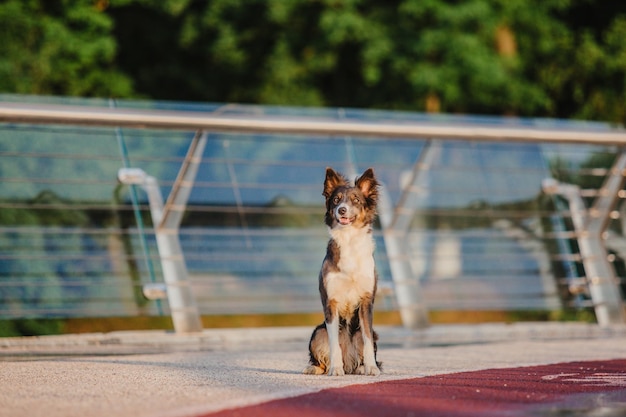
column 346, row 343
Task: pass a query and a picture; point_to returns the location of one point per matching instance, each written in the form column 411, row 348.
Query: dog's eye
column 336, row 199
column 356, row 200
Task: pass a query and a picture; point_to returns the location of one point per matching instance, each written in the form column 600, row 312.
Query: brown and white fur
column 346, row 343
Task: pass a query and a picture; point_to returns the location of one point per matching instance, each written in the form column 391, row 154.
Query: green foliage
column 30, row 327
column 556, row 58
column 58, row 47
column 582, row 66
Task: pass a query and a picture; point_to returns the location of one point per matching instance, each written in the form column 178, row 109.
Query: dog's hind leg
column 318, row 351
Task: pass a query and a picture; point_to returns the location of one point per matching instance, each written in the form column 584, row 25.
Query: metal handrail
column 195, row 120
column 205, row 121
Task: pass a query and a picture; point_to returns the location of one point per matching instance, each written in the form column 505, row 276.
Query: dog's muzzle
column 343, row 215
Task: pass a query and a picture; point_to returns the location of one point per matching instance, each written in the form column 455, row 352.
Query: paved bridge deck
column 444, row 370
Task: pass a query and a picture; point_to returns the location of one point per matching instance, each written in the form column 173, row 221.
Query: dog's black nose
column 342, row 211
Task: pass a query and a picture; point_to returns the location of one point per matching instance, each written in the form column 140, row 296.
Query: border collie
column 346, row 343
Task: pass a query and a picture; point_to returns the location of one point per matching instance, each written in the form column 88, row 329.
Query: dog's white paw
column 371, row 370
column 336, row 371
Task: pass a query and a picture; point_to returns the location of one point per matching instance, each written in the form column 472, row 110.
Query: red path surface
column 573, row 389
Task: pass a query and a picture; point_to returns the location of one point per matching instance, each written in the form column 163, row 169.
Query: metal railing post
column 590, row 226
column 413, row 312
column 183, row 308
column 166, row 219
column 396, row 223
column 603, row 283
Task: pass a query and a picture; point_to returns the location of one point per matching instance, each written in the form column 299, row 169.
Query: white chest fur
column 356, row 276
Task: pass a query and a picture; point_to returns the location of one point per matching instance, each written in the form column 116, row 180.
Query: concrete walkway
column 158, row 374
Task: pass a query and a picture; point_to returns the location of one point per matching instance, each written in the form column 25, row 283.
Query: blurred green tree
column 59, row 47
column 551, row 58
column 585, row 74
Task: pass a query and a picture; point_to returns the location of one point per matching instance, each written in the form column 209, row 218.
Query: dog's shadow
column 274, row 371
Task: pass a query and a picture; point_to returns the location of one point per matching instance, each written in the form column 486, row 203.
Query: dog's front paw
column 371, row 370
column 336, row 371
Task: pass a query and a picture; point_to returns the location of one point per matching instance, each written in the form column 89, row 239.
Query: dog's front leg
column 365, row 319
column 332, row 327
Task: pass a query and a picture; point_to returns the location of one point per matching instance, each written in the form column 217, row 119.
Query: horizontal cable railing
column 482, row 235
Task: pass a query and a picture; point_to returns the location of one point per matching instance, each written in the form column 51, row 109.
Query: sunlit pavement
column 443, row 370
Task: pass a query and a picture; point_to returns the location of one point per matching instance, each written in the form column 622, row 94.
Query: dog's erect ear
column 332, row 181
column 368, row 185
